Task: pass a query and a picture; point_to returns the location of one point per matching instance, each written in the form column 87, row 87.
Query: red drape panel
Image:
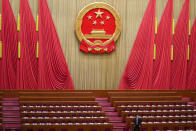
column 27, row 64
column 180, row 42
column 162, row 63
column 138, row 72
column 191, row 66
column 8, row 63
column 53, row 70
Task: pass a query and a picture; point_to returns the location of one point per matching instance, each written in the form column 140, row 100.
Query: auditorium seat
column 151, row 118
column 67, row 126
column 58, row 103
column 60, row 108
column 156, row 107
column 119, row 103
column 163, row 113
column 166, row 125
column 65, row 119
column 41, row 109
column 63, row 113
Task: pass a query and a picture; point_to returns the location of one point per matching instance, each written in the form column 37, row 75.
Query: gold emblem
column 98, row 26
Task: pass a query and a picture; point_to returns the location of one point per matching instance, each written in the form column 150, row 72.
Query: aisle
column 114, row 118
column 11, row 114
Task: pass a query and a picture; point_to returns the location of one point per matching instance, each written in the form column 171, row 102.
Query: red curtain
column 162, row 62
column 180, row 42
column 27, row 64
column 191, row 68
column 138, row 72
column 53, row 70
column 8, row 62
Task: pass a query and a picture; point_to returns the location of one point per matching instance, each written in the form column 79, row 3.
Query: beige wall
column 100, row 71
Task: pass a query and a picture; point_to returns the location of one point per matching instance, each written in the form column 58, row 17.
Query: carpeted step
column 10, row 104
column 10, row 99
column 109, row 114
column 115, row 125
column 113, row 116
column 11, row 114
column 11, row 126
column 115, row 119
column 104, row 104
column 101, row 99
column 186, row 99
column 11, row 120
column 122, row 129
column 119, row 126
column 191, row 103
column 5, row 109
column 108, row 109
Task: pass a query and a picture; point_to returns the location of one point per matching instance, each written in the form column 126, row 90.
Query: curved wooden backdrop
column 100, row 72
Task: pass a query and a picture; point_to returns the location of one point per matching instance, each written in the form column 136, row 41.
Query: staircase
column 114, row 118
column 11, row 114
column 189, row 101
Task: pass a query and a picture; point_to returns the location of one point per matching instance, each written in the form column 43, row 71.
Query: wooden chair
column 128, row 113
column 161, row 118
column 119, row 103
column 123, row 108
column 60, row 103
column 63, row 114
column 166, row 126
column 64, row 120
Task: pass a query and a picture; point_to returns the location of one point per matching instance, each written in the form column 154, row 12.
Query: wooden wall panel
column 91, row 72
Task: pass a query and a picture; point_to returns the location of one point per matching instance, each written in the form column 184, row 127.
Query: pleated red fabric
column 163, row 39
column 53, row 70
column 8, row 63
column 180, row 42
column 28, row 63
column 191, row 68
column 138, row 72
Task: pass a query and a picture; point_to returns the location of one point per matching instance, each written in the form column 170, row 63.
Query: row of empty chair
column 77, row 111
column 58, row 103
column 61, row 108
column 158, row 110
column 67, row 127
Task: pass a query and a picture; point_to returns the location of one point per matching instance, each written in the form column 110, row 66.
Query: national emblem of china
column 98, row 26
